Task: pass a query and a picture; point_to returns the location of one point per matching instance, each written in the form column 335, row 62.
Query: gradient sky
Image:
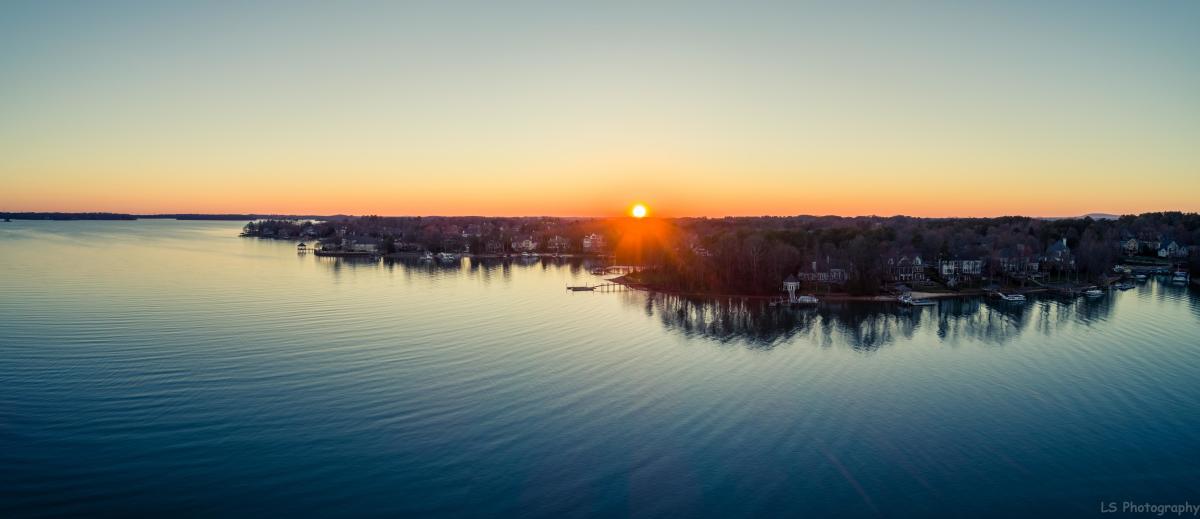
column 574, row 108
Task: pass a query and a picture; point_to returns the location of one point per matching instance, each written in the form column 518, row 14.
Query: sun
column 638, row 211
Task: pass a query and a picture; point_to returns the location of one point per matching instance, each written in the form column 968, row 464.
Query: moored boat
column 910, row 301
column 1093, row 292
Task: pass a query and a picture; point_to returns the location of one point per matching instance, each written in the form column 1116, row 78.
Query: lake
column 161, row 367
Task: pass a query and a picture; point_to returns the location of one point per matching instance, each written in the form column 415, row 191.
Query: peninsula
column 849, row 257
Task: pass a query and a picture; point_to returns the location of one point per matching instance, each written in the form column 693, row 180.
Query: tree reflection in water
column 864, row 326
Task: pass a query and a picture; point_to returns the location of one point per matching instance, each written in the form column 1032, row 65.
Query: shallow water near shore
column 161, row 367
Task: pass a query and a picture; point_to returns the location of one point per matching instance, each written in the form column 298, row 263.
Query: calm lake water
column 164, row 368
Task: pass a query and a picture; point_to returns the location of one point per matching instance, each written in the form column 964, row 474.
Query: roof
column 791, row 279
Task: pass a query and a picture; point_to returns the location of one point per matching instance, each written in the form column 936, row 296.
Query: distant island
column 124, row 216
column 66, row 216
column 753, row 256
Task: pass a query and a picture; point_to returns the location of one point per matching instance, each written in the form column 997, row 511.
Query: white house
column 593, row 243
column 1172, row 249
column 960, row 267
column 524, row 243
column 958, row 271
column 905, row 268
column 558, row 244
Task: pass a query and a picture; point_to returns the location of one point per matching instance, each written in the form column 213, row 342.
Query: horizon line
column 1094, row 215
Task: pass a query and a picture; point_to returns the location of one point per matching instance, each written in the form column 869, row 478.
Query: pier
column 346, row 254
column 616, row 269
column 603, row 287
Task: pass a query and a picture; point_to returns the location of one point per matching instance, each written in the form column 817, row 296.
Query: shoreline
column 838, row 297
column 404, row 255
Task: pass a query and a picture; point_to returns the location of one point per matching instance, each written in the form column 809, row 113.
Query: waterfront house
column 1059, row 254
column 558, row 244
column 1172, row 249
column 1131, row 246
column 362, row 244
column 494, row 247
column 593, row 243
column 524, row 244
column 967, row 267
column 831, row 276
column 958, row 271
column 822, row 272
column 908, row 268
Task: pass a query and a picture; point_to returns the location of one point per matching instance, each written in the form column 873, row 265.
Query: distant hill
column 238, row 216
column 1094, row 216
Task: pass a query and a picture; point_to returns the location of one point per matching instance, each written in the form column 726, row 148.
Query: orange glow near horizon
column 328, row 197
column 674, row 185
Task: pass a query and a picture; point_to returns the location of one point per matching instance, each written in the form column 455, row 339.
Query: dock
column 603, row 287
column 345, row 254
column 616, row 269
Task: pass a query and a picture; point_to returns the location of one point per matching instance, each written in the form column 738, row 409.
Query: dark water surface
column 163, row 367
